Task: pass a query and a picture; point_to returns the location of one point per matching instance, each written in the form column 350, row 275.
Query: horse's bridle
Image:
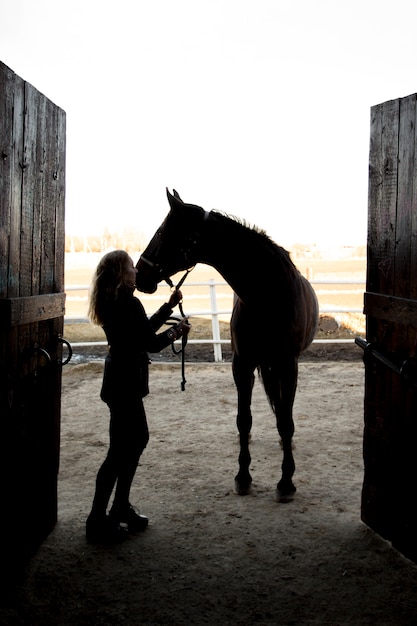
column 187, row 253
column 167, row 279
column 155, row 266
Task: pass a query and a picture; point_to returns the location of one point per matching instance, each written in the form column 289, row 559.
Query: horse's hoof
column 285, row 495
column 283, row 498
column 243, row 489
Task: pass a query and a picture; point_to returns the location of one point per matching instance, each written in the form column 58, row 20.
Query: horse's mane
column 241, row 222
column 254, row 233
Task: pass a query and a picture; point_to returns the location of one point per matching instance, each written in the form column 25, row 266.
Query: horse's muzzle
column 145, row 278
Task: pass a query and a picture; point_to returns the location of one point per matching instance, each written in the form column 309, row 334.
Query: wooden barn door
column 390, row 436
column 32, row 190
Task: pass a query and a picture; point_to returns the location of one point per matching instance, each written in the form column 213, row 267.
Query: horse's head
column 174, row 246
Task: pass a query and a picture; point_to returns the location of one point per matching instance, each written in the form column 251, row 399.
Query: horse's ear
column 177, row 196
column 174, row 200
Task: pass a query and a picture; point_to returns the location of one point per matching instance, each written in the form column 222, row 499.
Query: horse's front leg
column 244, row 379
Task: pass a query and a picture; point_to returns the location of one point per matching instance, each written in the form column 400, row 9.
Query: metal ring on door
column 69, row 348
column 42, row 352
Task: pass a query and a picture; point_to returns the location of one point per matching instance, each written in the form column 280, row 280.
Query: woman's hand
column 179, row 330
column 176, row 297
column 183, row 328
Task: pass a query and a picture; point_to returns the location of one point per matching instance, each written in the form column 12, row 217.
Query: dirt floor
column 210, row 556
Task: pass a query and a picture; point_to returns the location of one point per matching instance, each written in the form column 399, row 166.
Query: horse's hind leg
column 281, row 384
column 244, row 379
column 285, row 425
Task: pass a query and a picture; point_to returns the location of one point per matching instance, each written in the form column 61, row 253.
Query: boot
column 129, row 516
column 104, row 529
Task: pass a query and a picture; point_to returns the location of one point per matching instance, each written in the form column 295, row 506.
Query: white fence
column 215, row 312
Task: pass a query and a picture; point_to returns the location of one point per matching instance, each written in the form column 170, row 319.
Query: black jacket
column 131, row 335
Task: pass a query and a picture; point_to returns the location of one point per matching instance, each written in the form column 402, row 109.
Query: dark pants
column 129, row 435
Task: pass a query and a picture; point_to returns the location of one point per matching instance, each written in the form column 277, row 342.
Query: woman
column 130, row 335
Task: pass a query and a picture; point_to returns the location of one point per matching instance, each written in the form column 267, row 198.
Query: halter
column 167, row 279
column 160, row 271
column 192, row 243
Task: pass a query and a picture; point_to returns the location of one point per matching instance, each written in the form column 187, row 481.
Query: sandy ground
column 210, row 556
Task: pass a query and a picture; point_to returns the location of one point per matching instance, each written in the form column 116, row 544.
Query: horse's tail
column 269, row 383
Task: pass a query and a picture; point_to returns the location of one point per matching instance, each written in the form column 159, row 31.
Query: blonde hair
column 107, row 280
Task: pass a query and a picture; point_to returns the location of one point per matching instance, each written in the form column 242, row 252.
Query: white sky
column 258, row 108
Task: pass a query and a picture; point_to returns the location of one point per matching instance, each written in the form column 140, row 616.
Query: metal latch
column 407, row 369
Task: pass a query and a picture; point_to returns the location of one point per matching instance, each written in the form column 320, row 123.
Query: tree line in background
column 133, row 240
column 312, row 251
column 127, row 239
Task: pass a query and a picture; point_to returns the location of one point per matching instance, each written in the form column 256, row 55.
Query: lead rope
column 184, row 338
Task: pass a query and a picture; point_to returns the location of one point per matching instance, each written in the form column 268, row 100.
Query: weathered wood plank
column 391, row 308
column 405, row 196
column 60, row 153
column 383, row 171
column 30, row 185
column 412, row 340
column 31, row 309
column 12, row 109
column 6, row 108
column 48, row 205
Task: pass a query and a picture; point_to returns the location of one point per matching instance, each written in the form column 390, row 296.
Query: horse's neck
column 241, row 267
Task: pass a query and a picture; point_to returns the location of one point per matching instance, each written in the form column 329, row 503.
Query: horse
column 274, row 318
